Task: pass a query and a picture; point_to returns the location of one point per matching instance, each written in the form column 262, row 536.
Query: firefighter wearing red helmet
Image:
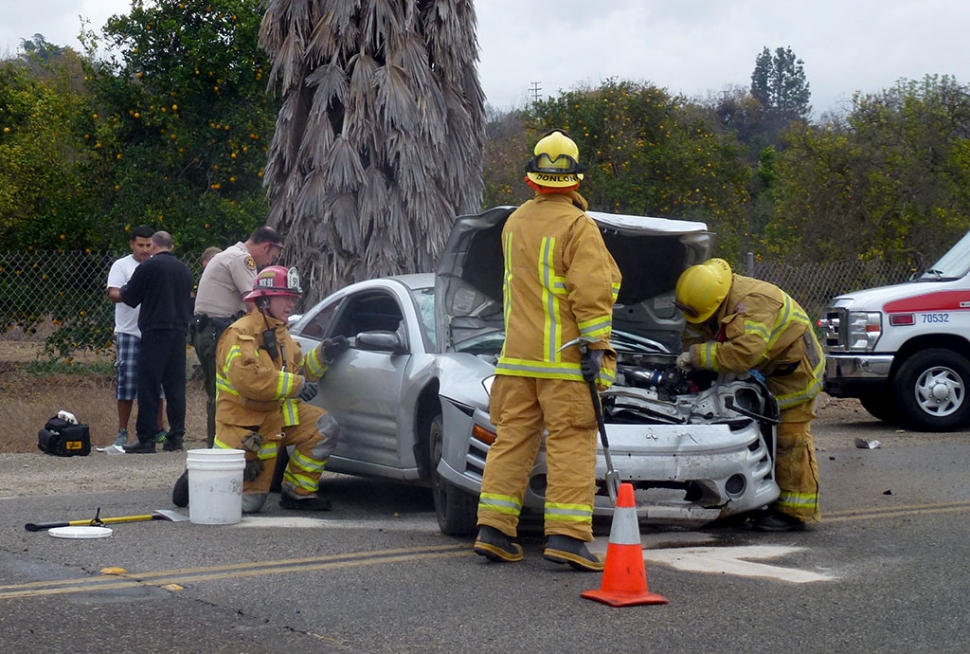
column 560, row 286
column 264, row 385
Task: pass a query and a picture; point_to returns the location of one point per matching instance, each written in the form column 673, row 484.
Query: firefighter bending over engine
column 736, row 324
column 264, row 384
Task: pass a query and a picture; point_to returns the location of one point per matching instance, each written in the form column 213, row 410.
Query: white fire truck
column 904, row 350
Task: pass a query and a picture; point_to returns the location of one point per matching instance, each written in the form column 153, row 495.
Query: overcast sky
column 696, row 47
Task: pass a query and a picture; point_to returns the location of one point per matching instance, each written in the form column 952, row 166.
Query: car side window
column 320, row 323
column 369, row 312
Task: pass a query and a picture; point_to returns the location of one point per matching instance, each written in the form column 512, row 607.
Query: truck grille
column 831, row 326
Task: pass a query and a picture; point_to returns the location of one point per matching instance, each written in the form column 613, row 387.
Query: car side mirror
column 380, row 341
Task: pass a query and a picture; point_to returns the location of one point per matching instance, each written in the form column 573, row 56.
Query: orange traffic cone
column 625, row 577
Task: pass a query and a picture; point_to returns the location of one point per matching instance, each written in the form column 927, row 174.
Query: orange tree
column 42, row 102
column 891, row 180
column 181, row 123
column 651, row 153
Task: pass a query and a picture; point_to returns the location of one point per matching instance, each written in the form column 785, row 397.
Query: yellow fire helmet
column 556, row 161
column 702, row 288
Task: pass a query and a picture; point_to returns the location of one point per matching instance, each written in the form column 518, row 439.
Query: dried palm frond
column 379, row 140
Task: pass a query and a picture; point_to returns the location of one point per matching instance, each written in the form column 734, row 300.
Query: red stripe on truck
column 942, row 301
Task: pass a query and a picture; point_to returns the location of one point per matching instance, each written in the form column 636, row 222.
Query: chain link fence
column 59, row 299
column 813, row 285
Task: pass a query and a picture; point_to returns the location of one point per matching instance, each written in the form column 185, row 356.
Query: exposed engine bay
column 650, row 388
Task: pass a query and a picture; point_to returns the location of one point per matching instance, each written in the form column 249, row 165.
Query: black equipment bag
column 62, row 438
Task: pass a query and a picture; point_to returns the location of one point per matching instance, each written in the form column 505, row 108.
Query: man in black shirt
column 162, row 285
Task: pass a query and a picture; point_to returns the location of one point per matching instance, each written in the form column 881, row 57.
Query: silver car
column 411, row 395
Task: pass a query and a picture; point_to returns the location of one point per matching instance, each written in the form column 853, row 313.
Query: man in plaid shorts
column 127, row 336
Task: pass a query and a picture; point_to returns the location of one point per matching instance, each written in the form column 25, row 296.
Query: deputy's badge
column 250, row 263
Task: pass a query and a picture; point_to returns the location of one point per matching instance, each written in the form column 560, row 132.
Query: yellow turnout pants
column 796, row 469
column 520, row 408
column 308, row 458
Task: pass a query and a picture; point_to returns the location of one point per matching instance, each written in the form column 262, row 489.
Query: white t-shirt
column 126, row 318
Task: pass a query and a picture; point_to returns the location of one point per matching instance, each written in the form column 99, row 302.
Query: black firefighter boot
column 143, row 446
column 180, row 492
column 496, row 546
column 566, row 549
column 315, row 502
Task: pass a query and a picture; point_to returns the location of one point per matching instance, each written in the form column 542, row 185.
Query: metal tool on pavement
column 612, row 476
column 98, row 521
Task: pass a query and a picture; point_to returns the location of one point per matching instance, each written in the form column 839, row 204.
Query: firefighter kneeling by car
column 263, row 386
column 736, row 324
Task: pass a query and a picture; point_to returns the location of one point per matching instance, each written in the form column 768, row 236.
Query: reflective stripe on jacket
column 249, row 383
column 759, row 327
column 559, row 277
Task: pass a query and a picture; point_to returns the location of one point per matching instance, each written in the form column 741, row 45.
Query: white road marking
column 735, row 561
column 668, row 549
column 416, row 523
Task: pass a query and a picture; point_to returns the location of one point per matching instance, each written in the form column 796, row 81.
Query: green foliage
column 890, row 181
column 183, row 121
column 41, row 105
column 779, row 84
column 650, row 153
column 47, row 367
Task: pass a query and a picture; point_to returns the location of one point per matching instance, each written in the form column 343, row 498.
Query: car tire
column 881, row 407
column 457, row 511
column 931, row 390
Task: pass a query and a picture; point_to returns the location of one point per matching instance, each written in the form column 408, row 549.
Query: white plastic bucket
column 215, row 486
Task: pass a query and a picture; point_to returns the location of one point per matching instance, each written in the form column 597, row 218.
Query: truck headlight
column 863, row 330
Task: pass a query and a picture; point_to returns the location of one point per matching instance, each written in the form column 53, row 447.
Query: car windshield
column 952, row 265
column 424, row 298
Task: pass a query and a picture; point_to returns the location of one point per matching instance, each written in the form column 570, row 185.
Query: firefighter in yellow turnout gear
column 560, row 284
column 736, row 324
column 263, row 385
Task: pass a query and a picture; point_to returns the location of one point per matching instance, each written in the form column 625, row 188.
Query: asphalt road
column 885, row 572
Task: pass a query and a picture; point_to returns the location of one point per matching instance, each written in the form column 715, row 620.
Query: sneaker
column 141, row 447
column 776, row 521
column 310, row 503
column 172, row 444
column 566, row 549
column 122, row 438
column 160, row 436
column 496, row 546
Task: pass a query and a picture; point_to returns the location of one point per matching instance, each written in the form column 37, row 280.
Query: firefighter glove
column 252, row 442
column 334, row 347
column 308, row 391
column 253, row 469
column 592, row 361
column 683, row 360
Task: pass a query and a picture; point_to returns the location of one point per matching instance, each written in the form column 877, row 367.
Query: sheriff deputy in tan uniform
column 219, row 300
column 264, row 386
column 560, row 285
column 736, row 324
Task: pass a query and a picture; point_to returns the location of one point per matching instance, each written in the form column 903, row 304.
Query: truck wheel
column 881, row 407
column 457, row 511
column 931, row 390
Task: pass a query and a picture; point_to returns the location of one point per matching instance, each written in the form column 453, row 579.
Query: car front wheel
column 457, row 510
column 931, row 389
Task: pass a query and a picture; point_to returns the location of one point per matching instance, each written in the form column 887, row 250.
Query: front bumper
column 686, row 475
column 854, row 375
